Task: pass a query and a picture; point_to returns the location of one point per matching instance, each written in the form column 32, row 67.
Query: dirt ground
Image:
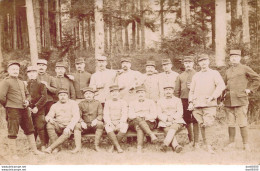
column 151, row 154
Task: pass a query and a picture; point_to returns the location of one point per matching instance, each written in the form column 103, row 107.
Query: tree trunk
column 125, row 9
column 203, row 25
column 32, row 32
column 221, row 32
column 14, row 26
column 1, row 31
column 120, row 28
column 89, row 34
column 213, row 27
column 57, row 18
column 99, row 28
column 133, row 27
column 233, row 15
column 37, row 16
column 187, row 11
column 258, row 27
column 162, row 17
column 110, row 34
column 47, row 37
column 245, row 23
column 183, row 12
column 138, row 26
column 142, row 25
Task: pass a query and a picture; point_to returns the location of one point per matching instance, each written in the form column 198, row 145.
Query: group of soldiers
column 55, row 107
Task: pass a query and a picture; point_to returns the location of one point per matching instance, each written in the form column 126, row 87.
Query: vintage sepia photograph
column 129, row 82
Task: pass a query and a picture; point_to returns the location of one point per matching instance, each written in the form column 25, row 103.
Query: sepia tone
column 116, row 50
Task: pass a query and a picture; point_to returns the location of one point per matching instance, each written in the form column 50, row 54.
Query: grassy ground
column 152, row 155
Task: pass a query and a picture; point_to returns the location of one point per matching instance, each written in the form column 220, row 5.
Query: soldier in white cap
column 241, row 80
column 102, row 79
column 115, row 117
column 127, row 80
column 170, row 114
column 168, row 77
column 49, row 82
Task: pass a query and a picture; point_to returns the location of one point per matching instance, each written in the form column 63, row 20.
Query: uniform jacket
column 181, row 90
column 115, row 111
column 151, row 83
column 13, row 93
column 206, row 84
column 145, row 109
column 238, row 78
column 81, row 80
column 63, row 82
column 126, row 81
column 65, row 114
column 165, row 80
column 51, row 85
column 170, row 111
column 90, row 110
column 100, row 81
column 38, row 94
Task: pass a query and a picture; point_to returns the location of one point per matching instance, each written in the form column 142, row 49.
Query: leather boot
column 196, row 134
column 12, row 148
column 56, row 143
column 42, row 135
column 98, row 135
column 31, row 140
column 169, row 137
column 145, row 127
column 52, row 134
column 112, row 137
column 77, row 138
column 120, row 136
column 140, row 137
column 175, row 146
column 190, row 134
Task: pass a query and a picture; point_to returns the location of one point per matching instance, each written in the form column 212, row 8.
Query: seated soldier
column 142, row 113
column 61, row 119
column 170, row 114
column 91, row 112
column 115, row 117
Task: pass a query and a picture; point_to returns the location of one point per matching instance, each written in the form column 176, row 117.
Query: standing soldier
column 168, row 77
column 182, row 89
column 206, row 86
column 170, row 114
column 49, row 82
column 14, row 97
column 151, row 81
column 80, row 79
column 241, row 80
column 102, row 79
column 91, row 112
column 115, row 117
column 142, row 112
column 61, row 120
column 38, row 94
column 127, row 80
column 62, row 81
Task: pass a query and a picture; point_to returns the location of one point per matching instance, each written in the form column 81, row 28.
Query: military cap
column 79, row 60
column 188, row 59
column 150, row 63
column 166, row 61
column 63, row 90
column 235, row 52
column 32, row 68
column 60, row 64
column 101, row 58
column 85, row 89
column 140, row 88
column 125, row 60
column 41, row 61
column 13, row 62
column 113, row 87
column 203, row 56
column 168, row 86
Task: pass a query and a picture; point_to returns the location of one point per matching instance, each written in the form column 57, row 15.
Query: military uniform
column 238, row 78
column 38, row 94
column 91, row 111
column 115, row 117
column 182, row 91
column 64, row 115
column 170, row 114
column 166, row 78
column 142, row 116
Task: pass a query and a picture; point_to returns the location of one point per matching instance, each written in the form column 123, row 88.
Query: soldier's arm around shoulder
column 220, row 85
column 254, row 79
column 4, row 87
